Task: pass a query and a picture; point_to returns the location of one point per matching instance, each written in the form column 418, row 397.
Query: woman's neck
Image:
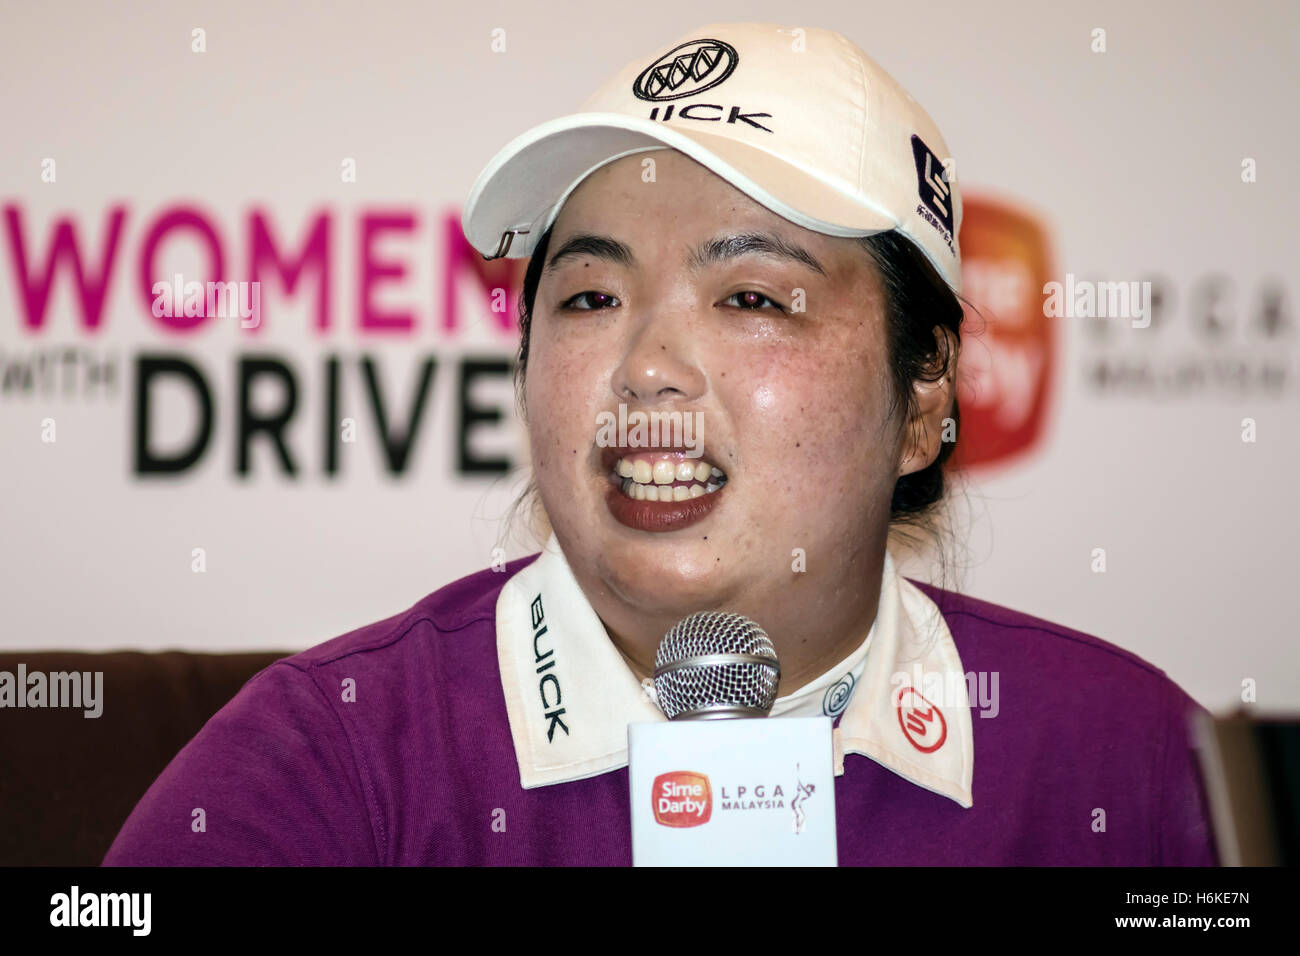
column 812, row 629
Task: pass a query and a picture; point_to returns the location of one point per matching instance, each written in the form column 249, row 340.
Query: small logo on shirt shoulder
column 836, row 698
column 922, row 722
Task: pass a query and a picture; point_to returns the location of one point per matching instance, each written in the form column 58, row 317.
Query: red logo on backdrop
column 922, row 722
column 682, row 799
column 1008, row 353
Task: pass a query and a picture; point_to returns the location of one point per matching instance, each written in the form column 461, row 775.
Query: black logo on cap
column 932, row 181
column 691, row 68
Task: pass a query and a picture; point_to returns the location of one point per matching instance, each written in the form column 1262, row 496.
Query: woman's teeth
column 668, row 481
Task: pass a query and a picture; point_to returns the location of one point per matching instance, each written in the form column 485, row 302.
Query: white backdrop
column 1131, row 160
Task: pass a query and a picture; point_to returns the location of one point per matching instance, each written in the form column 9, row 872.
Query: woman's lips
column 644, row 515
column 660, row 489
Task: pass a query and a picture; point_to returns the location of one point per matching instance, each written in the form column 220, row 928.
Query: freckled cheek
column 812, row 432
column 562, row 402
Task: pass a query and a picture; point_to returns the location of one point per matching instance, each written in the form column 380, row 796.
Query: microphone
column 722, row 783
column 716, row 665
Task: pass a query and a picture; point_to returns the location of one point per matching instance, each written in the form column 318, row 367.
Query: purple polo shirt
column 419, row 768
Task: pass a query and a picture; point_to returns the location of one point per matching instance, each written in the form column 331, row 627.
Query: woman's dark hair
column 918, row 302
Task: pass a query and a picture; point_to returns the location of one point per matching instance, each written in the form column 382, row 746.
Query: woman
column 753, row 233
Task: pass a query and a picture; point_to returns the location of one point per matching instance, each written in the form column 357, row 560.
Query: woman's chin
column 661, row 579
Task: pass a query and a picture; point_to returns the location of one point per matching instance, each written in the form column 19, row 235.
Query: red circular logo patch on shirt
column 922, row 722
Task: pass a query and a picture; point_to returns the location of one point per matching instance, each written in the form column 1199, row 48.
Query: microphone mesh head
column 717, row 687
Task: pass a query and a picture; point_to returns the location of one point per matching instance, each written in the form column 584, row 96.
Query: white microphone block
column 738, row 792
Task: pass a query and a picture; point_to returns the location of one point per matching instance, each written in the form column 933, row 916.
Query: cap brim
column 527, row 182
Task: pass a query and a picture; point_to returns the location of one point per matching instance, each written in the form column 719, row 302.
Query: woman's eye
column 604, row 299
column 594, row 301
column 753, row 301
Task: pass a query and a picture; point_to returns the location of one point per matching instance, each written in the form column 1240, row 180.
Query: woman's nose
column 661, row 364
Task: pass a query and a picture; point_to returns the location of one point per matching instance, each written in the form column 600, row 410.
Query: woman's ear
column 933, row 422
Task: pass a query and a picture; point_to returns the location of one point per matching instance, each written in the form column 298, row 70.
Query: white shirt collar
column 570, row 695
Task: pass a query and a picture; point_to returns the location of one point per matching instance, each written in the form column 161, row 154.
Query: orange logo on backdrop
column 1008, row 351
column 682, row 799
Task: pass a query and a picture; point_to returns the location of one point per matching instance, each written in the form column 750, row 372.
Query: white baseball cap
column 799, row 119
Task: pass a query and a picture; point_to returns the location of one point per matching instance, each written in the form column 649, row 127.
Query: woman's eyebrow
column 751, row 243
column 712, row 251
column 598, row 247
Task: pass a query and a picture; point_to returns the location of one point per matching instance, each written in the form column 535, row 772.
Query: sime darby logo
column 682, row 798
column 1008, row 367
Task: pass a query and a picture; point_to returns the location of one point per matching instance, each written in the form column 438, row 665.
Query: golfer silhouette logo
column 803, row 792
